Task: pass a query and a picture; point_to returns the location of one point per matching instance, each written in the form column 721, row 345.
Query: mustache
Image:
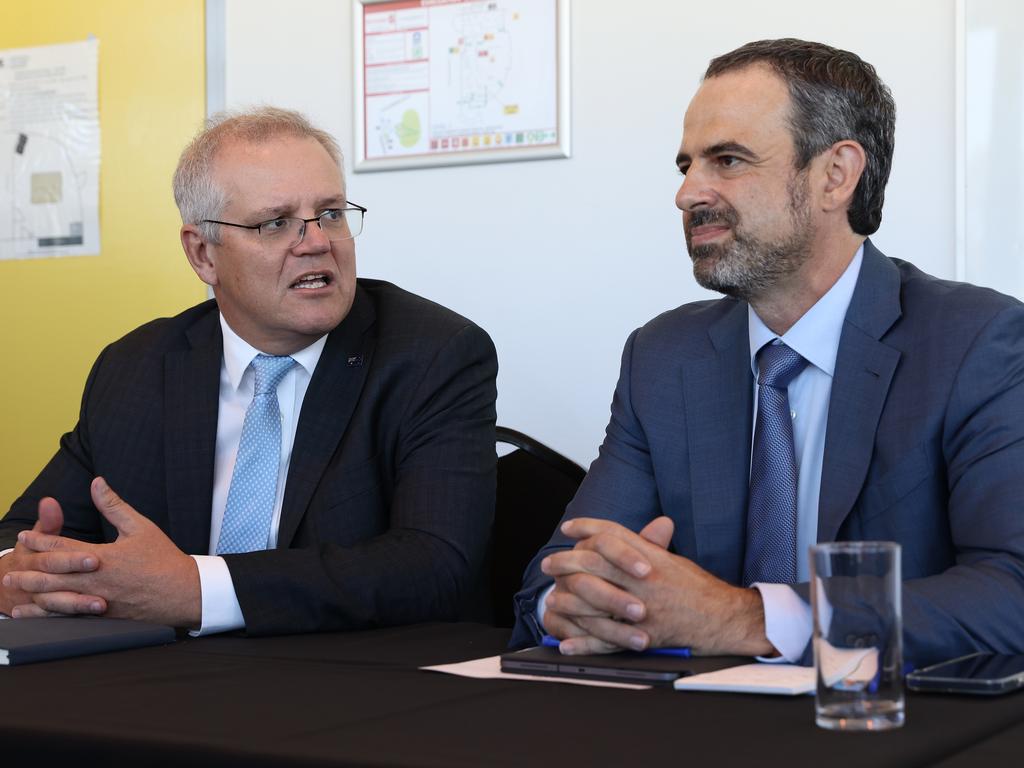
column 704, row 216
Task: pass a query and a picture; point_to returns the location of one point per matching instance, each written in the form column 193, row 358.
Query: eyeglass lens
column 341, row 224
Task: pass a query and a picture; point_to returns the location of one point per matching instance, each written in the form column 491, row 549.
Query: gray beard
column 747, row 267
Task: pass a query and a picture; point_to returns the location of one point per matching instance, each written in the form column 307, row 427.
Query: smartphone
column 984, row 673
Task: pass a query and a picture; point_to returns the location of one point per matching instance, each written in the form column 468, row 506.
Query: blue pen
column 684, row 653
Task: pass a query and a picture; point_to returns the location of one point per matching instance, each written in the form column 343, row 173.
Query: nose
column 695, row 191
column 313, row 241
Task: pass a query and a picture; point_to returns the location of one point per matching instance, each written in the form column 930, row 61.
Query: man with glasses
column 307, row 451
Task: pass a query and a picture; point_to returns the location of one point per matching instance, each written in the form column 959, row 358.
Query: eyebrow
column 332, row 201
column 721, row 148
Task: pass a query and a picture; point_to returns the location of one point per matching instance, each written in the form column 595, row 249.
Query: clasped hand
column 141, row 575
column 617, row 589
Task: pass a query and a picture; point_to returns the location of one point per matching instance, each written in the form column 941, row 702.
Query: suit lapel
column 326, row 410
column 718, row 396
column 864, row 371
column 192, row 392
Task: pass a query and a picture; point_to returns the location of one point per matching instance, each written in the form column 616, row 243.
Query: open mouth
column 312, row 281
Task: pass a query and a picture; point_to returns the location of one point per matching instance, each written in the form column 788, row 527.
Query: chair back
column 535, row 483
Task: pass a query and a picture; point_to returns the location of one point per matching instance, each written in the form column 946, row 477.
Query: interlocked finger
column 60, row 561
column 69, row 603
column 566, row 603
column 45, row 542
column 31, row 611
column 582, row 560
column 605, row 598
column 615, row 633
column 619, row 551
column 574, row 638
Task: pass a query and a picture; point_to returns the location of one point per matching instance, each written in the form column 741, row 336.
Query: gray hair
column 836, row 96
column 195, row 192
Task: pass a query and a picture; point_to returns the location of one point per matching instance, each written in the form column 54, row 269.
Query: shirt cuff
column 787, row 621
column 541, row 607
column 221, row 611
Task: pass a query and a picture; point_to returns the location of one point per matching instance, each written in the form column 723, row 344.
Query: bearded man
column 833, row 394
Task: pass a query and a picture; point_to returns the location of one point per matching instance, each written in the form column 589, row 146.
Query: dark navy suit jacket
column 390, row 490
column 924, row 446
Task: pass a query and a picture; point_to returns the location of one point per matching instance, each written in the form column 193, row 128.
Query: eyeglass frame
column 349, row 206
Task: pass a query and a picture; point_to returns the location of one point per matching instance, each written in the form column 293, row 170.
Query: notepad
column 24, row 641
column 778, row 679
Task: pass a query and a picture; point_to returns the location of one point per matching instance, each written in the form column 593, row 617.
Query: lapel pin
column 354, row 361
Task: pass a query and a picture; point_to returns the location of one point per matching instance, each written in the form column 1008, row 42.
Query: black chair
column 535, row 483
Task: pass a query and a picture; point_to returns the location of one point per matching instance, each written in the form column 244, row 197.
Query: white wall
column 560, row 259
column 993, row 145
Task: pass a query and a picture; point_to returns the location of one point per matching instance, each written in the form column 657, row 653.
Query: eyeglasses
column 287, row 231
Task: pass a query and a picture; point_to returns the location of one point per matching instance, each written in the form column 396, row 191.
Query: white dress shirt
column 221, row 611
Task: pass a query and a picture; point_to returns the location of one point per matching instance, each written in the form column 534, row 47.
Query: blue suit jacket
column 924, row 446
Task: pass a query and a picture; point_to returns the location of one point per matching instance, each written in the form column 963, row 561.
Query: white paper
column 780, row 679
column 846, row 669
column 490, row 667
column 49, row 151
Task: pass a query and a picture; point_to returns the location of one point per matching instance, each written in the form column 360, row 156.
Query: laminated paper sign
column 49, row 151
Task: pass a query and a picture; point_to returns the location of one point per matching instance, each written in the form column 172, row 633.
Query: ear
column 198, row 253
column 844, row 165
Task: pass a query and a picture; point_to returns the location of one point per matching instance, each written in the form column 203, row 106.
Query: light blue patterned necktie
column 771, row 515
column 250, row 505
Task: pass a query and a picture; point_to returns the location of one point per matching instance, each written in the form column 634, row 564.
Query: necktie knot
column 269, row 371
column 778, row 365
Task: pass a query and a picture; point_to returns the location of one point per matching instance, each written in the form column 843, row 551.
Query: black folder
column 23, row 641
column 623, row 667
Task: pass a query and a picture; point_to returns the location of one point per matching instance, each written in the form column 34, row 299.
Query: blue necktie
column 771, row 516
column 250, row 505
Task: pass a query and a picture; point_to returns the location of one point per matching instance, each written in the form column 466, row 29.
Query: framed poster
column 447, row 82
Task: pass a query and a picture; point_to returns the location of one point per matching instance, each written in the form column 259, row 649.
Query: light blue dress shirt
column 816, row 337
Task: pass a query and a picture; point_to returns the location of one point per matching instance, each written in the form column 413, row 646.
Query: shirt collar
column 815, row 336
column 238, row 353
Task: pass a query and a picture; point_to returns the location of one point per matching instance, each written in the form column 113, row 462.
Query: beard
column 748, row 266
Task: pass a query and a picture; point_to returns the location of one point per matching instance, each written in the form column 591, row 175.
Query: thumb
column 51, row 517
column 116, row 510
column 659, row 531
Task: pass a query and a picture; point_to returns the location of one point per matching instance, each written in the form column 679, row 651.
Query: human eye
column 729, row 161
column 275, row 226
column 332, row 215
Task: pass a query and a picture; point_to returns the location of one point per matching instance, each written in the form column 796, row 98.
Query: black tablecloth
column 360, row 699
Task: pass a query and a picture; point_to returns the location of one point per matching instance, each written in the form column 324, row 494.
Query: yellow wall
column 57, row 314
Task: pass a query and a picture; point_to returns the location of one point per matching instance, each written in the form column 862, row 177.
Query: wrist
column 194, row 607
column 749, row 637
column 187, row 611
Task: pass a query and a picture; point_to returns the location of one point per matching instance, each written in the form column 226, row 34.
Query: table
column 358, row 699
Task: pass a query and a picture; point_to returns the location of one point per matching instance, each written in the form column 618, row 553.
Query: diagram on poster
column 440, row 79
column 49, row 151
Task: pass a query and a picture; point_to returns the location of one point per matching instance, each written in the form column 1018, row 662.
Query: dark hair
column 836, row 95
